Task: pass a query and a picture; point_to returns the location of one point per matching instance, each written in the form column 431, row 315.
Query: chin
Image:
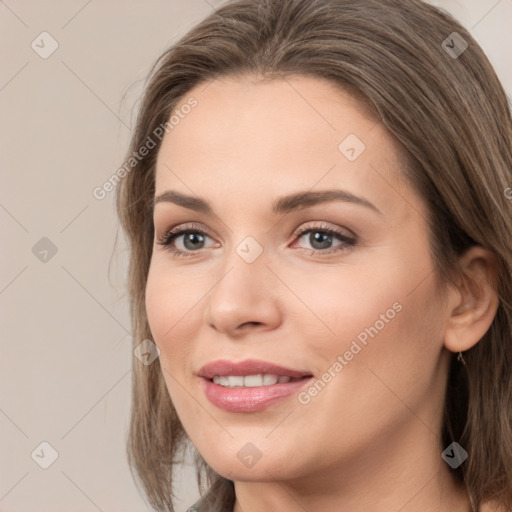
column 246, row 462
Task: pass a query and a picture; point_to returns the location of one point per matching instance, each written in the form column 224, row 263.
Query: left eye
column 321, row 239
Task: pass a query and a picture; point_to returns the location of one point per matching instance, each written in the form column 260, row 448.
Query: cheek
column 390, row 351
column 383, row 316
column 171, row 317
column 343, row 304
column 173, row 309
column 372, row 368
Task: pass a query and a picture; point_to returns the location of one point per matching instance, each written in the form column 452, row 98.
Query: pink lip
column 249, row 399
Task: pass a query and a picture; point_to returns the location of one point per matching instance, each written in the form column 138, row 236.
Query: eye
column 193, row 239
column 321, row 239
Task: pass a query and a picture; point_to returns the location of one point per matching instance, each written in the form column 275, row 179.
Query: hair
column 451, row 118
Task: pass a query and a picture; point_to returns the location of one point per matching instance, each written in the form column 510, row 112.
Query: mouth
column 250, row 385
column 249, row 368
column 252, row 381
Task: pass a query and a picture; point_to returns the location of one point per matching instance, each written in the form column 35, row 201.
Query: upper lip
column 248, row 367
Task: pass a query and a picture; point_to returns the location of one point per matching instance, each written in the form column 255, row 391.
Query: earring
column 461, row 359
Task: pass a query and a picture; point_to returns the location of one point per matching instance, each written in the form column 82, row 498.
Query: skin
column 370, row 440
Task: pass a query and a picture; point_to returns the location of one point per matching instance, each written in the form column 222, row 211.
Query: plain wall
column 65, row 349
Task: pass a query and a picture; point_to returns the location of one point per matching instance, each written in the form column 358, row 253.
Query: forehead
column 249, row 135
column 249, row 114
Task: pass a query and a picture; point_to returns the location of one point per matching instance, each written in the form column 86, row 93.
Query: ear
column 473, row 300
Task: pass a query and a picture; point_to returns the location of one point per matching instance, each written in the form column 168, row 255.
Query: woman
column 321, row 251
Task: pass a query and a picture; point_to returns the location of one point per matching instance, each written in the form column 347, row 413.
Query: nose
column 244, row 299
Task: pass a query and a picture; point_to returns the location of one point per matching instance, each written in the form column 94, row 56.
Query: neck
column 403, row 474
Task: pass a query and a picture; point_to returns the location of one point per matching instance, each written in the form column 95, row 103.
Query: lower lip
column 250, row 399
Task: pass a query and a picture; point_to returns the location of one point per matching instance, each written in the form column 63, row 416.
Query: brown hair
column 450, row 114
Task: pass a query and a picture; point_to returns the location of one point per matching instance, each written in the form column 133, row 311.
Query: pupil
column 320, row 237
column 190, row 238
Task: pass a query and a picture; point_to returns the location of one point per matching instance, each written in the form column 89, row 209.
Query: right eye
column 193, row 238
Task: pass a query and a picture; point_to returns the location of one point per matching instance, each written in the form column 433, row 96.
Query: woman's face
column 339, row 288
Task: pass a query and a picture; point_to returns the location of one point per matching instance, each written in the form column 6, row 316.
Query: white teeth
column 249, row 381
column 236, row 382
column 223, row 381
column 270, row 379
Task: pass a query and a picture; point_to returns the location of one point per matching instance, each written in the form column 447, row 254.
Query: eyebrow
column 282, row 205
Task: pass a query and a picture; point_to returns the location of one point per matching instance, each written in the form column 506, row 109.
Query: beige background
column 66, row 355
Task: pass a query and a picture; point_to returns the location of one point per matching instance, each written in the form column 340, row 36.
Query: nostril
column 250, row 323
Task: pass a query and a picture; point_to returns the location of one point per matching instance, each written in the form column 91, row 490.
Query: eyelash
column 169, row 236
